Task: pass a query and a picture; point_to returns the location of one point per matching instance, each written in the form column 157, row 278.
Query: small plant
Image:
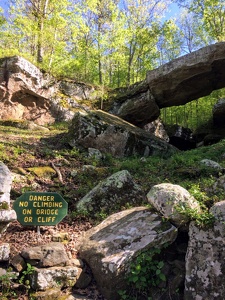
column 145, row 273
column 24, row 279
column 200, row 196
column 202, row 218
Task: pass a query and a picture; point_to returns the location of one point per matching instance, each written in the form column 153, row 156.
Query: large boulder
column 111, row 195
column 172, row 201
column 110, row 134
column 180, row 81
column 137, row 107
column 24, row 91
column 205, row 264
column 110, row 247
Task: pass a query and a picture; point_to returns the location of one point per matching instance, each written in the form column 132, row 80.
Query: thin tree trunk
column 41, row 17
column 40, row 42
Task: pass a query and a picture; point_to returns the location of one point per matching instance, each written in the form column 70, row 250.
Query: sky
column 4, row 4
column 173, row 11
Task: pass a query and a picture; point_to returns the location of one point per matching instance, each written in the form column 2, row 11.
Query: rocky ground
column 20, row 237
column 22, row 150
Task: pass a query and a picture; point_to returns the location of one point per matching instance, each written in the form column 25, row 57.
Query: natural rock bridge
column 27, row 93
column 180, row 81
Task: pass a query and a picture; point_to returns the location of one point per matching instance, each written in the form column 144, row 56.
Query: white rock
column 166, row 197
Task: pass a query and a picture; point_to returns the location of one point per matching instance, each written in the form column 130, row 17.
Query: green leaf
column 162, row 277
column 160, row 264
column 158, row 271
column 135, row 279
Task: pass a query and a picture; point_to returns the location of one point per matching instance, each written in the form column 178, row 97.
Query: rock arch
column 175, row 83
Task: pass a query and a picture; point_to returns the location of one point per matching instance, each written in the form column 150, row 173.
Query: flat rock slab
column 110, row 247
column 189, row 77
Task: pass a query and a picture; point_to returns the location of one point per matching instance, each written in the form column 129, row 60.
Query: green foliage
column 106, row 42
column 24, row 279
column 212, row 13
column 202, row 219
column 145, row 273
column 196, row 115
column 199, row 195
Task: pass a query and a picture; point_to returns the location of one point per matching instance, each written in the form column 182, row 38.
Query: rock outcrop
column 157, row 128
column 175, row 83
column 181, row 137
column 26, row 93
column 110, row 134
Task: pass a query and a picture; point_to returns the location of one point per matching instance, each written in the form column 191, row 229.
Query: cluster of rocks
column 46, row 269
column 193, row 264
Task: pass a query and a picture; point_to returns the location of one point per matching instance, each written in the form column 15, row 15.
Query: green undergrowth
column 145, row 273
column 22, row 149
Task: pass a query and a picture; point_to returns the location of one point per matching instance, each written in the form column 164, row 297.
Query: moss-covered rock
column 115, row 192
column 43, row 172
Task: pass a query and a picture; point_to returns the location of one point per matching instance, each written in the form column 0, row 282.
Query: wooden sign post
column 40, row 209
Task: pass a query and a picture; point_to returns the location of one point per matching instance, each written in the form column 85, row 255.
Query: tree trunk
column 41, row 15
column 40, row 43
